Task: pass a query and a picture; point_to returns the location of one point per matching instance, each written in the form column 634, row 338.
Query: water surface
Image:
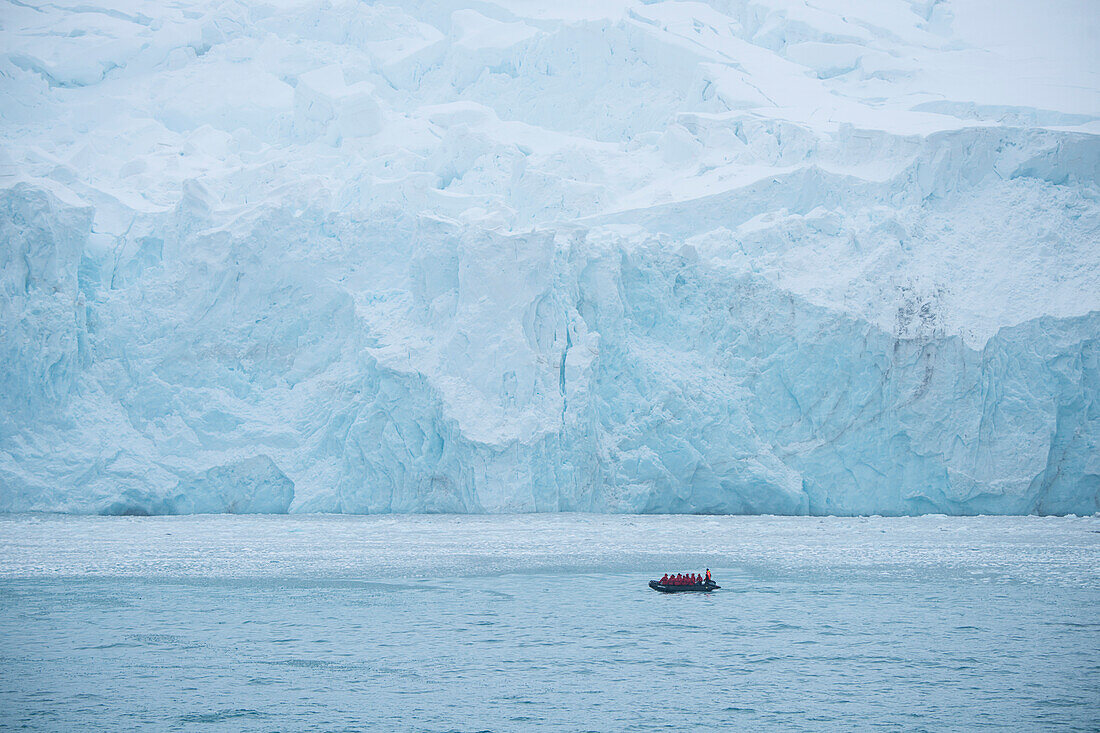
column 545, row 622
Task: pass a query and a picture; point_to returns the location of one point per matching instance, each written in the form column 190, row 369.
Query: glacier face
column 739, row 256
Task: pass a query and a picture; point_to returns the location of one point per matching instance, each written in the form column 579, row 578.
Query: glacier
column 734, row 256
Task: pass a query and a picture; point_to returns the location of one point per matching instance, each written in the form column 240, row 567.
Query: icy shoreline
column 395, row 546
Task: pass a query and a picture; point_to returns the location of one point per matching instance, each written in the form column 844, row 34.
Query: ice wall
column 749, row 257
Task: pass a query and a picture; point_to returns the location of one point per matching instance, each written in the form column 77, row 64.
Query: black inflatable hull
column 696, row 588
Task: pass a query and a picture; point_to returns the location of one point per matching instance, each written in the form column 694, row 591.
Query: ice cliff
column 730, row 256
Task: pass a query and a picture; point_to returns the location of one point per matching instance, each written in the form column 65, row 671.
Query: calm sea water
column 546, row 623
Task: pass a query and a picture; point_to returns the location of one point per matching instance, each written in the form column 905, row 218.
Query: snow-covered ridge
column 734, row 256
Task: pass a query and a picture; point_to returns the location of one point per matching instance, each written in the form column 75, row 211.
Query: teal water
column 812, row 634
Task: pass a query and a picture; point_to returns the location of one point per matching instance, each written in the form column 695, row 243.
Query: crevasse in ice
column 747, row 257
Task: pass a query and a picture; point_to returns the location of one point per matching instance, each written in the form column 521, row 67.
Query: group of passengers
column 680, row 579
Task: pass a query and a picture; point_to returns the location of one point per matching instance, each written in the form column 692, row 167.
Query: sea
column 545, row 622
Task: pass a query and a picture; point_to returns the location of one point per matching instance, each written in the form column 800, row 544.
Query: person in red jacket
column 708, row 578
column 664, row 579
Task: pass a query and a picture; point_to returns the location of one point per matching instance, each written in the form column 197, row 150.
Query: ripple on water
column 222, row 716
